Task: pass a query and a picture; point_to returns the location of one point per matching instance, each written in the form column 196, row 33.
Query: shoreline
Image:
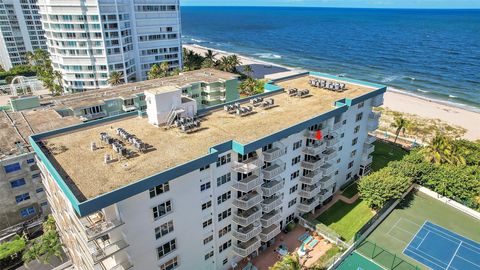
column 395, row 99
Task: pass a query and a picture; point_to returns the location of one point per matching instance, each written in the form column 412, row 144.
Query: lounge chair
column 308, row 239
column 303, row 237
column 250, row 266
column 313, row 243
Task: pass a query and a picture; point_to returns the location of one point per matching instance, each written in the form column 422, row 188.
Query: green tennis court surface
column 357, row 262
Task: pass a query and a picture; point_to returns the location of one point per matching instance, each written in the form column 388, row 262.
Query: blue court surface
column 441, row 249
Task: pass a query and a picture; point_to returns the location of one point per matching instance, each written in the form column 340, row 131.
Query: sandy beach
column 393, row 100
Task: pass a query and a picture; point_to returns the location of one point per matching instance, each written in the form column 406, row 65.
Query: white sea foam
column 390, row 79
column 423, row 91
column 268, row 55
column 452, row 96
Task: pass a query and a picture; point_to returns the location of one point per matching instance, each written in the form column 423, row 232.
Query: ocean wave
column 390, row 78
column 423, row 91
column 268, row 55
column 452, row 96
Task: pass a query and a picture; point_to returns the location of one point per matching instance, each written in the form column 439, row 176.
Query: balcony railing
column 366, row 159
column 243, row 249
column 247, row 166
column 246, row 218
column 128, row 108
column 315, row 149
column 93, row 116
column 273, row 170
column 100, row 253
column 337, row 126
column 246, row 233
column 373, row 120
column 332, row 141
column 309, row 191
column 271, row 203
column 214, row 89
column 327, row 181
column 312, row 165
column 122, row 266
column 327, row 169
column 377, row 101
column 368, row 148
column 274, row 153
column 248, row 200
column 312, row 134
column 270, row 218
column 329, row 154
column 272, row 187
column 325, row 194
column 269, row 232
column 95, row 228
column 370, row 139
column 312, row 177
column 247, row 184
column 307, row 205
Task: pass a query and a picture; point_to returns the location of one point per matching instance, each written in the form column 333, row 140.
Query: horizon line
column 342, row 7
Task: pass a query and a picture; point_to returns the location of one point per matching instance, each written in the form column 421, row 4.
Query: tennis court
column 441, row 249
column 356, row 261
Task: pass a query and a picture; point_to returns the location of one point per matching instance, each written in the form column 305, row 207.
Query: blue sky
column 341, row 3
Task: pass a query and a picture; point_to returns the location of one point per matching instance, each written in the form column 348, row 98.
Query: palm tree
column 289, row 262
column 442, row 150
column 164, row 69
column 248, row 70
column 234, row 62
column 115, row 78
column 210, row 55
column 224, row 63
column 154, row 72
column 400, row 124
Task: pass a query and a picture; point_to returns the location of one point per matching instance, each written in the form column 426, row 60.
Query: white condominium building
column 20, row 31
column 88, row 39
column 184, row 188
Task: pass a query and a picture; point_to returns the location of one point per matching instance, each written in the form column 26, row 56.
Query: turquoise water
column 431, row 53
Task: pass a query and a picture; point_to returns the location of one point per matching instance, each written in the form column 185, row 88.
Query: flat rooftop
column 18, row 126
column 88, row 176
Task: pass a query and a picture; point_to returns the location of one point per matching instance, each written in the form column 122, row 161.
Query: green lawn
column 351, row 190
column 346, row 219
column 384, row 153
column 402, row 224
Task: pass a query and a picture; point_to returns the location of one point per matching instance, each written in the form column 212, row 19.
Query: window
column 44, row 204
column 360, row 105
column 344, row 122
column 164, row 229
column 297, row 145
column 208, row 239
column 342, row 135
column 224, row 160
column 205, row 167
column 22, row 197
column 208, row 255
column 353, row 153
column 38, row 190
column 162, row 209
column 356, row 129
column 339, row 160
column 30, row 160
column 350, row 165
column 12, row 167
column 35, row 175
column 159, row 190
column 170, row 265
column 224, row 197
column 349, row 175
column 358, row 117
column 292, row 202
column 354, row 141
column 207, row 223
column 223, row 179
column 225, row 214
column 294, row 175
column 225, row 261
column 17, row 183
column 206, row 205
column 27, row 212
column 340, row 148
column 296, row 160
column 293, row 189
column 205, row 186
column 224, row 230
column 225, row 246
column 166, row 248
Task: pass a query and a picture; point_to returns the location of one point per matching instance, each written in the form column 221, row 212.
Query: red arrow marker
column 319, row 135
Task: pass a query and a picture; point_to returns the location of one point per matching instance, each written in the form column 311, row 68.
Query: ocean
column 430, row 53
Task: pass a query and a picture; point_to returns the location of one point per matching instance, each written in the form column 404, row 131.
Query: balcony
column 312, row 164
column 92, row 116
column 246, row 218
column 312, row 177
column 96, row 225
column 246, row 233
column 327, row 181
column 327, row 169
column 366, row 159
column 370, row 139
column 377, row 101
column 373, row 121
column 214, row 89
column 101, row 252
column 274, row 153
column 307, row 205
column 270, row 218
column 325, row 194
column 128, row 108
column 309, row 191
column 312, row 134
column 271, row 203
column 272, row 187
column 122, row 266
column 269, row 232
column 332, row 141
column 315, row 149
column 247, row 184
column 273, row 170
column 329, row 154
column 248, row 200
column 243, row 249
column 368, row 148
column 247, row 166
column 337, row 126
